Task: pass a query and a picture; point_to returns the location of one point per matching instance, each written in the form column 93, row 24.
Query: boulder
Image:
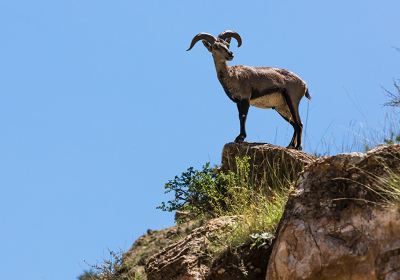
column 268, row 163
column 339, row 224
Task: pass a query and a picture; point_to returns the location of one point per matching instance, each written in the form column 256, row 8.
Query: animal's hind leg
column 299, row 134
column 295, row 117
column 285, row 113
column 299, row 125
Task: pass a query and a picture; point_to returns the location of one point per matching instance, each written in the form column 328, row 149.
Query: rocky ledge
column 268, row 162
column 338, row 224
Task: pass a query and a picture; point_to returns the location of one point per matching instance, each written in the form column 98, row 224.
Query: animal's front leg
column 243, row 108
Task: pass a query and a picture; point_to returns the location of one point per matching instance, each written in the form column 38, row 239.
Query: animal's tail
column 307, row 94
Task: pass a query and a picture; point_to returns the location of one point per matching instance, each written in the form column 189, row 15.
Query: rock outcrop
column 340, row 223
column 193, row 258
column 244, row 262
column 268, row 162
column 135, row 259
column 188, row 258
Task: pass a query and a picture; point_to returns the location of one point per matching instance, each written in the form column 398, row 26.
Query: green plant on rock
column 197, row 192
column 257, row 206
column 393, row 138
column 385, row 186
column 261, row 239
column 394, row 96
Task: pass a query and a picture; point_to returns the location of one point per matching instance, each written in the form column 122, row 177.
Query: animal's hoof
column 299, row 148
column 290, row 147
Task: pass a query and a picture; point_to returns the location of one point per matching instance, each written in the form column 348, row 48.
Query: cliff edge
column 341, row 221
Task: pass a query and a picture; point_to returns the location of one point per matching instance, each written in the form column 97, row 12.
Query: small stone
column 221, row 270
column 257, row 270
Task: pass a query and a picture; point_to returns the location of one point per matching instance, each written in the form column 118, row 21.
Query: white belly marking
column 268, row 101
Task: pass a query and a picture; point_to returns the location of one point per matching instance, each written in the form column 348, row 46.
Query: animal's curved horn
column 230, row 34
column 202, row 36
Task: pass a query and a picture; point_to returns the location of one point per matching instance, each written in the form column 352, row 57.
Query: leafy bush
column 198, row 192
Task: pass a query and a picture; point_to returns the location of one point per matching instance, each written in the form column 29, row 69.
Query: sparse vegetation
column 258, row 209
column 393, row 138
column 385, row 186
column 381, row 183
column 388, row 188
column 210, row 192
column 394, row 96
column 110, row 269
column 88, row 275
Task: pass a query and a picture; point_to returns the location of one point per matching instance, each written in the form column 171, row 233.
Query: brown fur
column 263, row 87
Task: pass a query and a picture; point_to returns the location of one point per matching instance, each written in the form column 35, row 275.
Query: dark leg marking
column 291, row 144
column 297, row 125
column 243, row 108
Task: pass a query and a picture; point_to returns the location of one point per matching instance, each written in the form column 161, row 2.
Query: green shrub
column 257, row 206
column 198, row 192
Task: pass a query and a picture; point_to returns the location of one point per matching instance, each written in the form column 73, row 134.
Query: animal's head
column 219, row 47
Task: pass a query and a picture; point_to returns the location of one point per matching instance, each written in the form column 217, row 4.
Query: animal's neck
column 224, row 73
column 222, row 70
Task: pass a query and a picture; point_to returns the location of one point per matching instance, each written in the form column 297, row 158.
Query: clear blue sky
column 100, row 105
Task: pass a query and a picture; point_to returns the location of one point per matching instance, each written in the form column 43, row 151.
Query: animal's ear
column 207, row 45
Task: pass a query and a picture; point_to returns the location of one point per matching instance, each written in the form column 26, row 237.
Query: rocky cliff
column 341, row 221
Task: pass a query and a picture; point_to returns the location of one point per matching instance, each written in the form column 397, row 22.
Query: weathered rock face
column 190, row 258
column 135, row 259
column 186, row 259
column 268, row 162
column 244, row 262
column 335, row 226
